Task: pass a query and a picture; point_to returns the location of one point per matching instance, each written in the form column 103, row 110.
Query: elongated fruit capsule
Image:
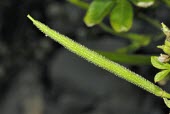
column 100, row 61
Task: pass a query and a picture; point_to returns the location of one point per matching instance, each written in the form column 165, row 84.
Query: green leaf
column 167, row 2
column 161, row 75
column 121, row 17
column 97, row 11
column 167, row 102
column 143, row 3
column 159, row 65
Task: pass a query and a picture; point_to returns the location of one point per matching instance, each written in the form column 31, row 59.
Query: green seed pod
column 101, row 61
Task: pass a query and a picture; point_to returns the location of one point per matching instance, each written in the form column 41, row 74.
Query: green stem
column 79, row 3
column 151, row 21
column 101, row 61
column 158, row 36
column 111, row 31
column 124, row 35
column 127, row 59
column 136, row 39
column 128, row 49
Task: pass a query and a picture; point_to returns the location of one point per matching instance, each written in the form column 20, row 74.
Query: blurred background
column 39, row 76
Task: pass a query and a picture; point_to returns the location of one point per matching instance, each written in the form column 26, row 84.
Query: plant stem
column 136, row 39
column 158, row 36
column 128, row 49
column 151, row 21
column 127, row 59
column 79, row 3
column 101, row 61
column 124, row 35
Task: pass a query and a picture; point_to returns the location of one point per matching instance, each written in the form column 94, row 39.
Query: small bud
column 163, row 82
column 161, row 47
column 166, row 31
column 166, row 49
column 163, row 58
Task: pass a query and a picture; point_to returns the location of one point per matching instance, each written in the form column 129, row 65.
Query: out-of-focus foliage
column 120, row 12
column 167, row 2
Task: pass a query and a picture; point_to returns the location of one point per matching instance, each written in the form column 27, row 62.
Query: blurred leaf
column 167, row 2
column 161, row 75
column 121, row 17
column 97, row 11
column 167, row 102
column 143, row 3
column 127, row 59
column 142, row 40
column 159, row 65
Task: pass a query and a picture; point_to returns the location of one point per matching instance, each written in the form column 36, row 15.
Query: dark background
column 39, row 76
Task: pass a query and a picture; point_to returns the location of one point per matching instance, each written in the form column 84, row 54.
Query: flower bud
column 166, row 31
column 163, row 58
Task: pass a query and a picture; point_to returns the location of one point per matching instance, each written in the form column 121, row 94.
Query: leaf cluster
column 164, row 67
column 161, row 62
column 120, row 12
